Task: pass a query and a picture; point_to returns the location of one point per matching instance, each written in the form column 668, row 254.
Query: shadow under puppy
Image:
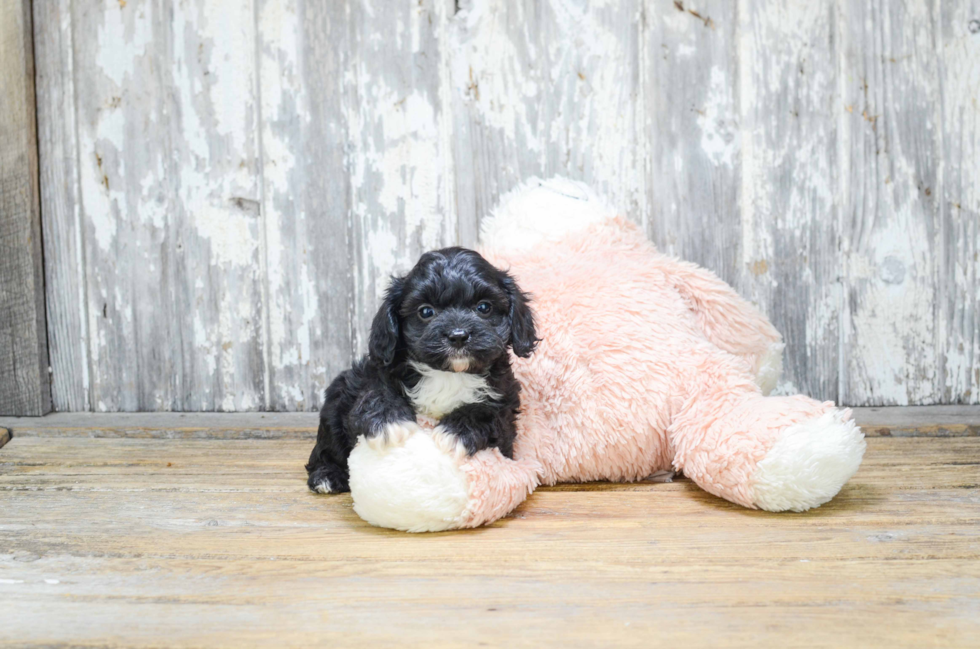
column 438, row 349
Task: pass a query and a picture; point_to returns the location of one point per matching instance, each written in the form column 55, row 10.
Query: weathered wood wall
column 25, row 387
column 227, row 185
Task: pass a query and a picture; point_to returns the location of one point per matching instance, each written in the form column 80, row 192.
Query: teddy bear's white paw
column 542, row 210
column 809, row 464
column 415, row 486
column 769, row 368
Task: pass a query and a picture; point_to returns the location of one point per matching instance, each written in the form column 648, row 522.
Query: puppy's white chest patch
column 438, row 393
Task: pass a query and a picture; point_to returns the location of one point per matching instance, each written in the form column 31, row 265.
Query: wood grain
column 690, row 89
column 958, row 270
column 402, row 200
column 64, row 261
column 543, row 89
column 166, row 159
column 303, row 51
column 25, row 387
column 125, row 542
column 789, row 199
column 191, row 425
column 893, row 217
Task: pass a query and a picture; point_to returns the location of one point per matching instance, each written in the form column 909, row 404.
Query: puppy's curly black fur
column 454, row 312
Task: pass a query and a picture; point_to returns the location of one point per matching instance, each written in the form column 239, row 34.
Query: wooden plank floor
column 197, row 542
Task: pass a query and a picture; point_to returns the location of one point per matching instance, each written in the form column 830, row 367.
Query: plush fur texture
column 438, row 348
column 413, row 481
column 542, row 210
column 808, row 463
column 646, row 364
column 390, row 491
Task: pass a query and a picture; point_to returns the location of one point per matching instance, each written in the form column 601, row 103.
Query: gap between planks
column 909, row 421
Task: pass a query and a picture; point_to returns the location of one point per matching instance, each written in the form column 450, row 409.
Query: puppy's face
column 454, row 311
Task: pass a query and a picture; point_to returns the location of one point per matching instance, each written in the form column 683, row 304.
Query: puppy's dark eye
column 484, row 308
column 426, row 312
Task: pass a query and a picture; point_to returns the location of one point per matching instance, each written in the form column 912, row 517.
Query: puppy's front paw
column 448, row 443
column 392, row 435
column 323, row 487
column 327, row 479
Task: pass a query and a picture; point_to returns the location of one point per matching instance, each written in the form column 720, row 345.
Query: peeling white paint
column 231, row 233
column 568, row 107
column 228, row 30
column 119, row 32
column 499, row 73
column 719, row 133
column 398, row 163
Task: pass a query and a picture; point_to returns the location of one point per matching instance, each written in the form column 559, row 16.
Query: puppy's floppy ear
column 385, row 329
column 523, row 336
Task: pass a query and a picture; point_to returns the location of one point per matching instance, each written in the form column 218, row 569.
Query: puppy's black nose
column 458, row 337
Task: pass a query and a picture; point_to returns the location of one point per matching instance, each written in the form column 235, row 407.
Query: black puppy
column 438, row 348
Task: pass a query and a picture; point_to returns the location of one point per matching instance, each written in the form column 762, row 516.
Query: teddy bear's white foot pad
column 542, row 210
column 415, row 485
column 809, row 463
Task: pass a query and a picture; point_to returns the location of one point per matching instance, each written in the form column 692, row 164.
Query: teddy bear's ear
column 523, row 335
column 385, row 329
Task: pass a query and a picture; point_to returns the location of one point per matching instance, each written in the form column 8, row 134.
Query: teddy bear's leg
column 424, row 481
column 729, row 321
column 772, row 453
column 542, row 210
column 496, row 485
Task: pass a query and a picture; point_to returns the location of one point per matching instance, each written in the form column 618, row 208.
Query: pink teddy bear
column 646, row 364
